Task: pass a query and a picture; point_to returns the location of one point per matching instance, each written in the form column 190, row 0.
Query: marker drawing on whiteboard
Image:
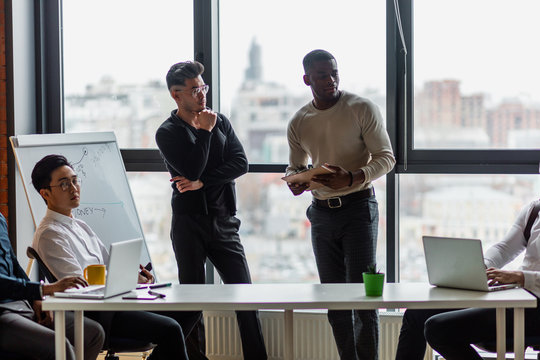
column 84, row 153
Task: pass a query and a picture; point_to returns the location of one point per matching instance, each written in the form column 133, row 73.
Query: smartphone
column 147, row 267
column 140, row 297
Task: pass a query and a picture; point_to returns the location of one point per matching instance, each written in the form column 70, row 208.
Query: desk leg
column 79, row 335
column 519, row 333
column 60, row 334
column 501, row 333
column 288, row 347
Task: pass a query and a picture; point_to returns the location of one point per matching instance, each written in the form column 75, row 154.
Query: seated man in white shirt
column 68, row 245
column 451, row 332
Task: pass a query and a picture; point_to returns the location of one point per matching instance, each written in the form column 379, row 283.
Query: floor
column 124, row 356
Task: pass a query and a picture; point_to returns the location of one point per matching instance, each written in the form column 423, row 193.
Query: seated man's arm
column 18, row 289
column 508, row 249
column 498, row 277
column 57, row 253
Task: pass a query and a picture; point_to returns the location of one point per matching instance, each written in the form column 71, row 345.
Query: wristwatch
column 41, row 283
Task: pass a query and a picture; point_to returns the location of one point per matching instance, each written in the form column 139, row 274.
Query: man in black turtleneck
column 204, row 157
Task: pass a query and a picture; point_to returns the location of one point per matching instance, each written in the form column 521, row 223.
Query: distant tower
column 254, row 70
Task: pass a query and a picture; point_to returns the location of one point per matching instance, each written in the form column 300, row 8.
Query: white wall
column 24, row 85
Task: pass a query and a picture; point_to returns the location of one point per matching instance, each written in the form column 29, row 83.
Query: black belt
column 341, row 201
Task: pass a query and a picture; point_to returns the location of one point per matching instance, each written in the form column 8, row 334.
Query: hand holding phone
column 145, row 276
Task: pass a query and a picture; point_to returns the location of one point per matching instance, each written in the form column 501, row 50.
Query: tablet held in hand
column 304, row 177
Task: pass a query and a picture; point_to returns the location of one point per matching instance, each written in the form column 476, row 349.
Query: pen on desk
column 156, row 294
column 156, row 286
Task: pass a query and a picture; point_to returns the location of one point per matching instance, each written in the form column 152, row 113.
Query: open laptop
column 457, row 263
column 122, row 273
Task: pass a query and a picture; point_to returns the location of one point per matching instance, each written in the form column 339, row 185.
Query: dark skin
column 46, row 317
column 323, row 78
column 498, row 276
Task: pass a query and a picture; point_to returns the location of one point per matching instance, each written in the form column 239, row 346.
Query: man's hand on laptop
column 63, row 284
column 499, row 277
column 145, row 276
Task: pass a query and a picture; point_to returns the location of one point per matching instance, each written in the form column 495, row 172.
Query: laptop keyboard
column 95, row 291
column 92, row 289
column 501, row 287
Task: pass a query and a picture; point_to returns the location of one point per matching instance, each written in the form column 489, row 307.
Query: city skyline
column 493, row 59
column 274, row 229
column 133, row 53
column 260, row 111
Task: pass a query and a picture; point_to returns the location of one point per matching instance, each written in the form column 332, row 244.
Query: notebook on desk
column 457, row 263
column 122, row 273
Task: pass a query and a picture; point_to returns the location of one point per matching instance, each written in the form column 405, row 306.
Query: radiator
column 313, row 338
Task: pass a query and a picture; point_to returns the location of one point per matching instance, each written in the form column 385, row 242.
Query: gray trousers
column 21, row 335
column 344, row 243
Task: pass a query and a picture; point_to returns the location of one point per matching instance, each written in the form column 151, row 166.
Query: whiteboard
column 106, row 202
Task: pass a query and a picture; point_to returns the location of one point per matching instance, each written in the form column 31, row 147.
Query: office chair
column 115, row 344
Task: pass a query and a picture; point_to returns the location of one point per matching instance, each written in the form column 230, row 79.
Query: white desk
column 302, row 296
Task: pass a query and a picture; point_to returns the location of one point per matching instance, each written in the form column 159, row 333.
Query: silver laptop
column 122, row 273
column 457, row 263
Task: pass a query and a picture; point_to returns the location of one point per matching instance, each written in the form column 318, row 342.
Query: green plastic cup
column 373, row 283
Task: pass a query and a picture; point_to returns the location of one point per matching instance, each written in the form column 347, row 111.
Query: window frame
column 50, row 117
column 442, row 161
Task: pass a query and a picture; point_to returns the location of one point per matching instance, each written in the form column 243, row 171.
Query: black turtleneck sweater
column 215, row 157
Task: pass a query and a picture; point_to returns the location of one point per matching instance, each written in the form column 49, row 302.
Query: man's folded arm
column 185, row 157
column 235, row 161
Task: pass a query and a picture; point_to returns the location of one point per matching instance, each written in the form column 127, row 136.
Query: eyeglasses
column 66, row 184
column 197, row 90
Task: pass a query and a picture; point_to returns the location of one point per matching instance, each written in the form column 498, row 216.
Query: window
column 151, row 192
column 460, row 121
column 261, row 62
column 261, row 87
column 475, row 66
column 467, row 206
column 116, row 56
column 276, row 233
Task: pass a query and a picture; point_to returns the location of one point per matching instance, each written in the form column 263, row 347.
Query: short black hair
column 179, row 72
column 41, row 174
column 314, row 56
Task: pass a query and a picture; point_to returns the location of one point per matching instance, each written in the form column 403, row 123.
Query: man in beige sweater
column 345, row 133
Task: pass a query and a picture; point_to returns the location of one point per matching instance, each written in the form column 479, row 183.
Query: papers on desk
column 304, row 177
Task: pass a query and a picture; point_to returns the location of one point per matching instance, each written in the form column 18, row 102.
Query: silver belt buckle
column 331, row 206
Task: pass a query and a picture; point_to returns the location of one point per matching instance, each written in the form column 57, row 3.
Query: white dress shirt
column 513, row 244
column 68, row 245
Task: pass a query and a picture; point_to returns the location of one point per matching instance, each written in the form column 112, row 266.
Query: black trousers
column 198, row 237
column 145, row 326
column 451, row 332
column 344, row 243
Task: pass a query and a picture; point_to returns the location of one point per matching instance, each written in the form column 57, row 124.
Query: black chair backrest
column 32, row 254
